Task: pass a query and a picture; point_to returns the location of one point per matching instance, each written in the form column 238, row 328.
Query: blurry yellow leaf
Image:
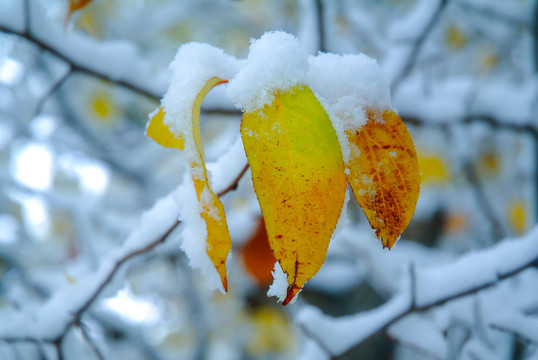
column 384, row 174
column 455, row 38
column 517, row 216
column 433, row 169
column 299, row 178
column 218, row 236
column 258, row 256
column 102, row 105
column 271, row 332
column 160, row 132
column 75, row 5
column 489, row 163
column 489, row 61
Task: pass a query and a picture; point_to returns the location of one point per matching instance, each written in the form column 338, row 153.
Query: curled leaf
column 384, row 174
column 299, row 179
column 218, row 240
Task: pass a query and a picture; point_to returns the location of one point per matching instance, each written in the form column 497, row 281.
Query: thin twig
column 51, row 90
column 89, row 340
column 321, row 25
column 417, row 46
column 234, row 184
column 82, row 68
column 497, row 230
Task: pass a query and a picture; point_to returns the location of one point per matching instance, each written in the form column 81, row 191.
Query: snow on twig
column 434, row 286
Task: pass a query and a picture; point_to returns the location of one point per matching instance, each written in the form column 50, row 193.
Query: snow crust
column 275, row 62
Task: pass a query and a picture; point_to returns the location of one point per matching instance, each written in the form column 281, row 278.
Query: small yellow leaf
column 455, row 38
column 434, row 170
column 299, row 179
column 517, row 216
column 162, row 135
column 384, row 174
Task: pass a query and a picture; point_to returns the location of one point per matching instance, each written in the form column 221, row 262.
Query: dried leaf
column 299, row 179
column 258, row 256
column 384, row 174
column 218, row 237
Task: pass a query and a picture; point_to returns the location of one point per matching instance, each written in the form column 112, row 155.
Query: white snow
column 346, row 86
column 194, row 233
column 525, row 326
column 279, row 287
column 193, row 66
column 464, row 275
column 432, row 285
column 50, row 318
column 340, row 334
column 276, row 62
column 11, row 15
column 415, row 331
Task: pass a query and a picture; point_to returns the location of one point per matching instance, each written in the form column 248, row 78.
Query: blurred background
column 77, row 171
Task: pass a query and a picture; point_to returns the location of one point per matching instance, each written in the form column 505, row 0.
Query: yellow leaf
column 517, row 216
column 218, row 237
column 455, row 38
column 75, row 5
column 162, row 135
column 384, row 174
column 299, row 179
column 434, row 170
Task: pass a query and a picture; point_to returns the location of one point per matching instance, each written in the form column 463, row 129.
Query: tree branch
column 76, row 314
column 417, row 46
column 368, row 324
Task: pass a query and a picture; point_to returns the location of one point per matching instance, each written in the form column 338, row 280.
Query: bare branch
column 417, row 46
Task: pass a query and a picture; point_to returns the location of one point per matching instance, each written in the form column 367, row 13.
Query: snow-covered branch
column 52, row 319
column 428, row 288
column 116, row 61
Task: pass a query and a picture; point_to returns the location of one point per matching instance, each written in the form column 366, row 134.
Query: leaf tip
column 293, row 290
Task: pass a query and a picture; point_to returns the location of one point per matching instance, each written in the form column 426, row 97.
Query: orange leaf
column 299, row 179
column 258, row 256
column 384, row 174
